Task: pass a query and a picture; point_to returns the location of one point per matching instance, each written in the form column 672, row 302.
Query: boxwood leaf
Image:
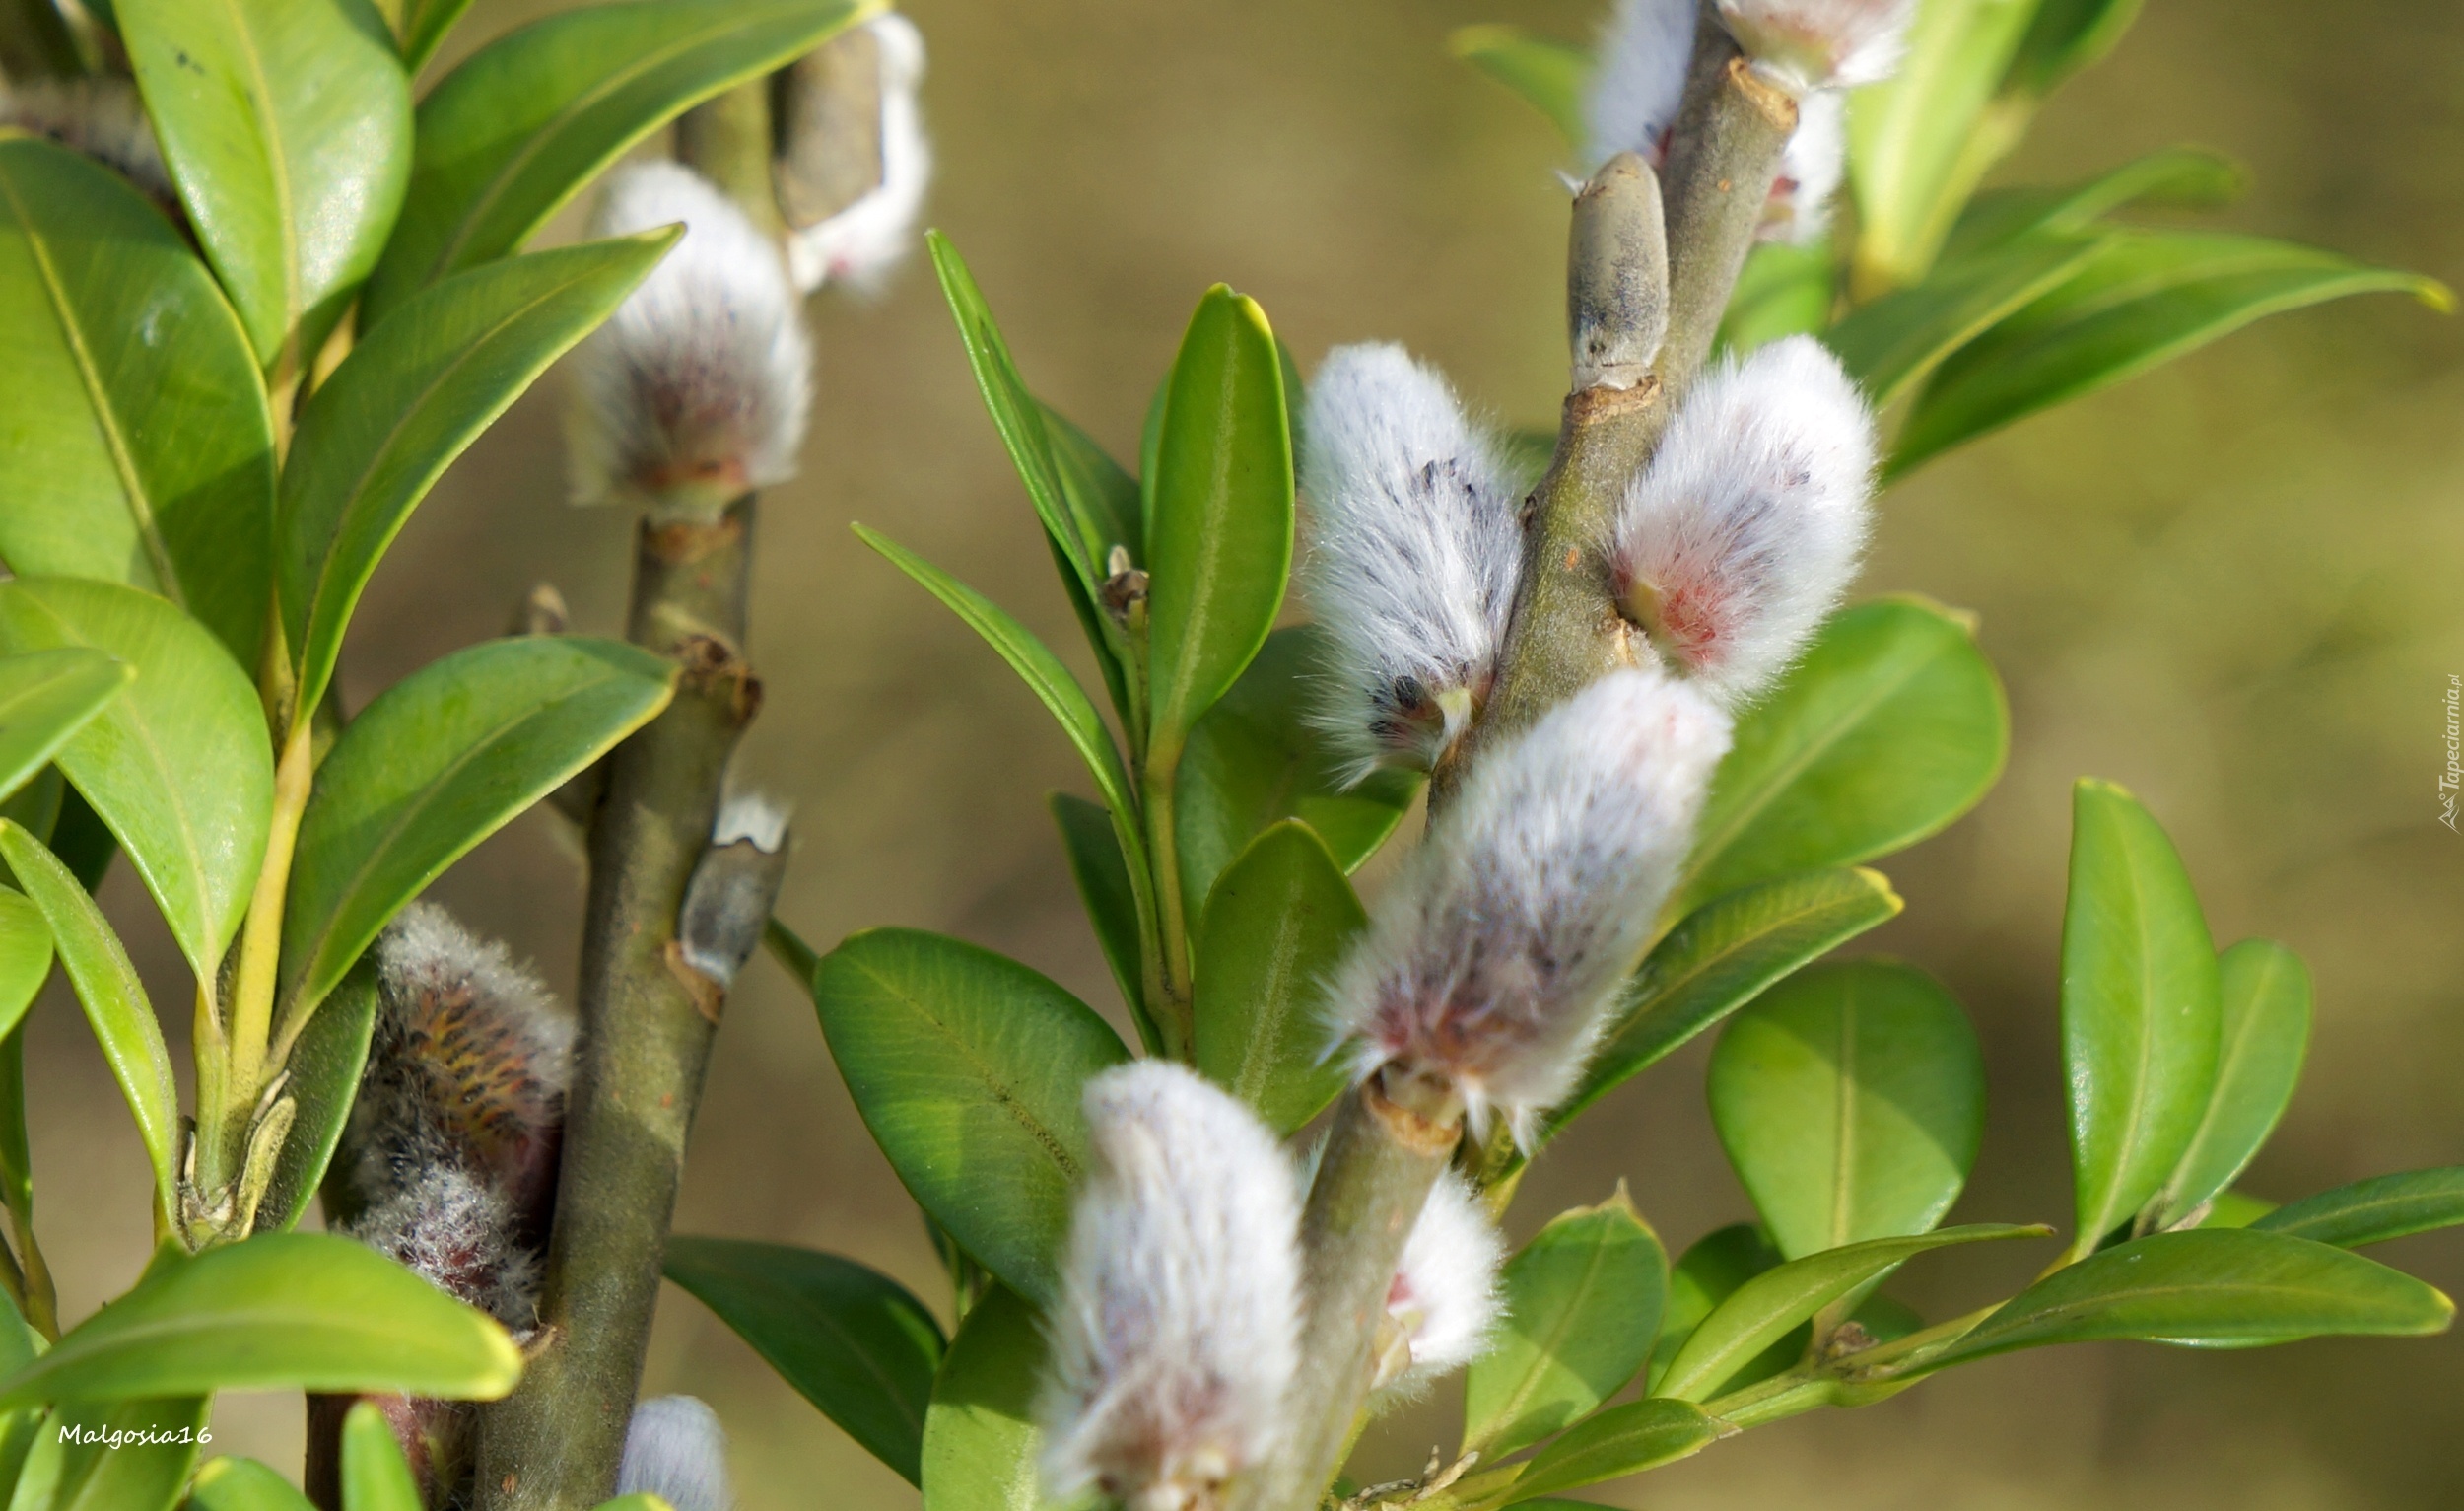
column 376, row 1476
column 1545, row 73
column 443, row 759
column 89, row 1475
column 2264, row 1031
column 324, row 1067
column 423, row 28
column 287, row 126
column 1787, row 289
column 1892, row 343
column 850, row 1339
column 135, row 442
column 2139, row 1019
column 45, row 698
column 1891, row 726
column 1582, row 1307
column 1850, row 1098
column 1620, row 1441
column 2374, row 1211
column 2063, row 38
column 25, row 957
column 2174, row 177
column 519, row 126
column 280, row 1310
column 244, row 1485
column 1111, row 898
column 980, row 1445
column 969, row 1068
column 1275, row 929
column 406, row 402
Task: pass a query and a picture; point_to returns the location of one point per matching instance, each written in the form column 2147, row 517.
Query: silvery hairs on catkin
column 861, row 244
column 676, row 1450
column 1412, row 557
column 1175, row 1335
column 1809, row 44
column 696, row 390
column 1737, row 540
column 1489, row 961
column 1444, row 1300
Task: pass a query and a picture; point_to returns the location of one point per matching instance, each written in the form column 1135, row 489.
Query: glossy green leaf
column 1913, row 139
column 1620, row 1441
column 376, row 1476
column 324, row 1068
column 45, row 698
column 980, row 1444
column 443, row 759
column 25, row 957
column 113, row 999
column 2146, row 298
column 1220, row 545
column 2264, row 1031
column 968, row 1067
column 2140, row 1015
column 1891, row 726
column 244, row 1485
column 1582, row 1307
column 423, row 28
column 1709, row 1271
column 1546, row 74
column 1255, row 760
column 2214, row 1287
column 1104, row 888
column 1098, row 490
column 89, row 1475
column 2175, row 178
column 178, row 764
column 2237, row 1209
column 1722, row 956
column 281, row 1311
column 407, row 401
column 850, row 1339
column 1765, row 1308
column 519, row 127
column 1787, row 289
column 1850, row 1098
column 1891, row 344
column 2374, row 1211
column 1275, row 928
column 137, row 443
column 2065, row 37
column 287, row 126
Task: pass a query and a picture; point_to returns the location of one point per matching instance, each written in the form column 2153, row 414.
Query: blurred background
column 2235, row 585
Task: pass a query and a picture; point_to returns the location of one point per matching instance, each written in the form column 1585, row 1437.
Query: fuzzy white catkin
column 1821, row 44
column 697, row 389
column 1445, row 1293
column 1812, row 166
column 1413, row 555
column 1174, row 1335
column 457, row 1234
column 1745, row 529
column 861, row 244
column 1491, row 960
column 103, row 119
column 675, row 1450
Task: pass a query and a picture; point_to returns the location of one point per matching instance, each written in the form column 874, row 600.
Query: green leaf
column 2177, row 177
column 1221, row 543
column 1545, row 73
column 2213, row 1286
column 45, row 698
column 2264, row 1029
column 115, row 1000
column 1620, row 1441
column 1786, row 290
column 89, row 1475
column 324, row 1068
column 980, row 1445
column 287, row 125
column 968, row 1069
column 2145, row 299
column 443, row 759
column 1765, row 1308
column 1098, row 490
column 2237, row 1209
column 137, row 443
column 2065, row 37
column 281, row 1311
column 1111, row 898
column 2139, row 1016
column 1582, row 1306
column 376, row 1476
column 178, row 765
column 1850, row 1098
column 1891, row 726
column 850, row 1339
column 2374, row 1211
column 1891, row 344
column 1913, row 139
column 423, row 25
column 1722, row 956
column 1707, row 1274
column 244, row 1485
column 519, row 127
column 406, row 402
column 1274, row 931
column 25, row 957
column 1255, row 760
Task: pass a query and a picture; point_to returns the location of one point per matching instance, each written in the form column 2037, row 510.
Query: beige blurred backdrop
column 2236, row 585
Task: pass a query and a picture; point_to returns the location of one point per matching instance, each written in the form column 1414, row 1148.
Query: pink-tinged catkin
column 1174, row 1337
column 1444, row 1302
column 1489, row 963
column 1810, row 45
column 859, row 244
